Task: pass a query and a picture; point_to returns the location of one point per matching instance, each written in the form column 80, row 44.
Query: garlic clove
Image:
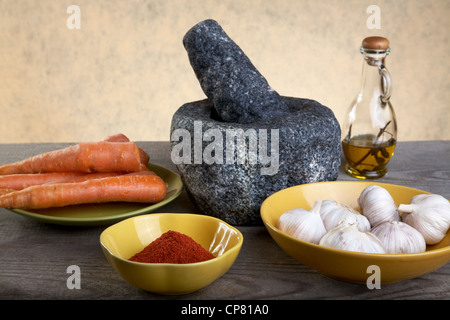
column 399, row 237
column 303, row 224
column 350, row 237
column 429, row 214
column 334, row 213
column 377, row 205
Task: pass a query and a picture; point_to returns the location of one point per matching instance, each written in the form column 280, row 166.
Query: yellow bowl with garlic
column 349, row 266
column 122, row 240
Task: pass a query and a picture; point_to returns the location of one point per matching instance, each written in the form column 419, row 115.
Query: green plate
column 106, row 213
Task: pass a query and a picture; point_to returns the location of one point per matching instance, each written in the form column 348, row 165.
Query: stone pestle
column 237, row 90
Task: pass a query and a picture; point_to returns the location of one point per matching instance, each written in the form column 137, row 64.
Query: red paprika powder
column 172, row 247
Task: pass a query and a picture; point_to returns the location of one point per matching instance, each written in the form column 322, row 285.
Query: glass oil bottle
column 369, row 134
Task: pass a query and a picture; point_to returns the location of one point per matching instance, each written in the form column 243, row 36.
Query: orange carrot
column 5, row 191
column 100, row 156
column 120, row 137
column 99, row 175
column 145, row 187
column 21, row 181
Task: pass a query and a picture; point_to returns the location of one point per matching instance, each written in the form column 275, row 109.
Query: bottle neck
column 372, row 82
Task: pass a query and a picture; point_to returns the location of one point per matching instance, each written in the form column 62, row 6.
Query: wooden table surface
column 34, row 256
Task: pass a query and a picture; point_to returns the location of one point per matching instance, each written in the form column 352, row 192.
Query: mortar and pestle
column 245, row 141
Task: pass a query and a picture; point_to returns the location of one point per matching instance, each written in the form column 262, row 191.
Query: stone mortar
column 308, row 151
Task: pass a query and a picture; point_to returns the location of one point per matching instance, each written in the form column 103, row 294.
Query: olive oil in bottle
column 367, row 160
column 370, row 131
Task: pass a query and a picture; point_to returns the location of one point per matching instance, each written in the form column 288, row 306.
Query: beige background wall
column 127, row 71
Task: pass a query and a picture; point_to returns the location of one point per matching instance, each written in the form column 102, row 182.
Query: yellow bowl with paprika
column 171, row 253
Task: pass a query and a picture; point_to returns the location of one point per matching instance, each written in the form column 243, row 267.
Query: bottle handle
column 386, row 84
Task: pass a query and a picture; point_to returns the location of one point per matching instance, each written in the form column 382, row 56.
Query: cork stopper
column 375, row 43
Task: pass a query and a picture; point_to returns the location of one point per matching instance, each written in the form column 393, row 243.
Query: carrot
column 5, row 191
column 21, row 181
column 99, row 175
column 120, row 137
column 100, row 156
column 145, row 187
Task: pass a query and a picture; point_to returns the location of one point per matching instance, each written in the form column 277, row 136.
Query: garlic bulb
column 303, row 224
column 334, row 213
column 429, row 214
column 377, row 205
column 399, row 237
column 349, row 237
